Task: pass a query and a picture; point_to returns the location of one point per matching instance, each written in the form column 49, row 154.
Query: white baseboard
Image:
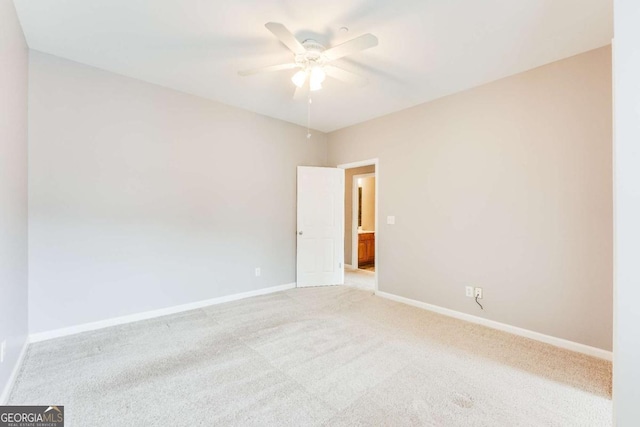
column 56, row 333
column 548, row 339
column 349, row 267
column 14, row 374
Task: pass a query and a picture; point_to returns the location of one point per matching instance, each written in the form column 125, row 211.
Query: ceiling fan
column 313, row 60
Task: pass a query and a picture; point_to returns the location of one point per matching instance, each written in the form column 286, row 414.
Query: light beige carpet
column 316, row 356
column 360, row 279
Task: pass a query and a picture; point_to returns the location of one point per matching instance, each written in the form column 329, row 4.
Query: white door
column 320, row 226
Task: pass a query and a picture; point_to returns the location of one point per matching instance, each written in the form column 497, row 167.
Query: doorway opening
column 364, row 227
column 361, row 258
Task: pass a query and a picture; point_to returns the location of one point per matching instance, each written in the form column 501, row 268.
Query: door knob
column 300, row 233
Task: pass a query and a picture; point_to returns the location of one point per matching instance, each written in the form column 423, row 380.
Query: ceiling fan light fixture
column 317, row 77
column 299, row 78
column 317, row 74
column 314, row 85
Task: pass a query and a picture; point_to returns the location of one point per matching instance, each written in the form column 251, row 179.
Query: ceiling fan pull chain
column 309, row 118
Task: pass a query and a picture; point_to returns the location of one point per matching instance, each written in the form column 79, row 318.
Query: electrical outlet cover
column 469, row 291
column 478, row 293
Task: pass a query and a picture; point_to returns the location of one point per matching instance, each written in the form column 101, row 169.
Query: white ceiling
column 427, row 49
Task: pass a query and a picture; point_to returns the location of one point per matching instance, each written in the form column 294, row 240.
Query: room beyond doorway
column 363, row 228
column 361, row 219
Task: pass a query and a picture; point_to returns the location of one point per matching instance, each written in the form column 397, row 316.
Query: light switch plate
column 391, row 220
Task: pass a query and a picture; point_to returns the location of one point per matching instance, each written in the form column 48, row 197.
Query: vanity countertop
column 365, row 232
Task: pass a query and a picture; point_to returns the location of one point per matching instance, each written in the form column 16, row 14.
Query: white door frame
column 354, row 217
column 375, row 162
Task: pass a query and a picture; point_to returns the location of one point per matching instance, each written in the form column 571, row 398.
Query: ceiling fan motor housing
column 312, row 56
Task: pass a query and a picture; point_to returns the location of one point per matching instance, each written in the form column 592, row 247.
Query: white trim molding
column 548, row 339
column 72, row 330
column 4, row 397
column 358, row 164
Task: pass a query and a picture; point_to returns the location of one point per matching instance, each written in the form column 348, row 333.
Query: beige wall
column 348, row 207
column 369, row 204
column 142, row 197
column 13, row 190
column 508, row 187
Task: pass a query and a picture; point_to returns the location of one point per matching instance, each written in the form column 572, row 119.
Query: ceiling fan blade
column 286, row 37
column 352, row 46
column 344, row 75
column 267, row 69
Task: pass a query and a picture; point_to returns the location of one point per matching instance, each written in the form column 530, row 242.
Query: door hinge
column 339, row 265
